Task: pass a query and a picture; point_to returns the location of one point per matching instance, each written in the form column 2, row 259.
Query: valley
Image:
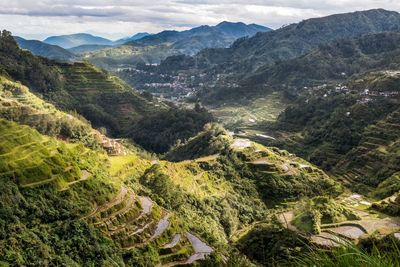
column 225, row 145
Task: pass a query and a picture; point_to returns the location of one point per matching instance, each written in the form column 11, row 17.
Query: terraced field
column 103, row 99
column 367, row 223
column 194, row 180
column 34, row 160
column 17, row 103
column 135, row 222
column 247, row 117
column 380, row 143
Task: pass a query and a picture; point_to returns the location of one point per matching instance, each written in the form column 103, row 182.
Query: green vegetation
column 102, row 99
column 207, row 202
column 111, row 58
column 271, row 245
column 160, row 131
column 213, row 198
column 34, row 72
column 310, row 214
column 335, row 61
column 390, row 205
column 388, row 187
column 39, row 223
column 217, row 195
column 61, row 206
column 35, row 160
column 210, row 141
column 370, row 253
column 42, row 49
column 18, row 104
column 349, row 133
column 247, row 69
column 247, row 115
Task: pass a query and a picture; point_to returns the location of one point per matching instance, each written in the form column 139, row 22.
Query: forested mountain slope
column 348, row 128
column 296, row 39
column 78, row 86
column 46, row 50
column 336, row 60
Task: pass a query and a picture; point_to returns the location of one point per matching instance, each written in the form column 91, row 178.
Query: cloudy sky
column 37, row 19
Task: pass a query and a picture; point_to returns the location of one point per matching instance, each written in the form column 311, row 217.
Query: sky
column 113, row 19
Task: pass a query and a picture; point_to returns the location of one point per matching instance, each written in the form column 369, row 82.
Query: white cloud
column 119, row 18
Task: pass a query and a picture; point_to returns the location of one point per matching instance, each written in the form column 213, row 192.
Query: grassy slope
column 33, row 159
column 251, row 113
column 213, row 197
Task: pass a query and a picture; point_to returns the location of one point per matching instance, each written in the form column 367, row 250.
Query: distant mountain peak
column 76, row 39
column 140, row 34
column 230, row 30
column 136, row 36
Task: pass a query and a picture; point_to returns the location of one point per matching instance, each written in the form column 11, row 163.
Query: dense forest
column 163, row 130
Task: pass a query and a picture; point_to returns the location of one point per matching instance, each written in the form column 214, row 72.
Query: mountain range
column 141, row 47
column 49, row 51
column 156, row 47
column 77, row 40
column 134, row 37
column 227, row 70
column 229, row 30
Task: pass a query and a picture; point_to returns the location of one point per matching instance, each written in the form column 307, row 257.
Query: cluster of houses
column 368, row 95
column 113, row 147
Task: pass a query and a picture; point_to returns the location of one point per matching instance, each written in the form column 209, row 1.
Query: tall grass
column 351, row 255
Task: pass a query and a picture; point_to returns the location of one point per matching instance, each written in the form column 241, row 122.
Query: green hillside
column 349, row 129
column 61, row 206
column 33, row 160
column 18, row 104
column 49, row 51
column 333, row 61
column 130, row 210
column 36, row 213
column 112, row 58
column 296, row 163
column 104, row 100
